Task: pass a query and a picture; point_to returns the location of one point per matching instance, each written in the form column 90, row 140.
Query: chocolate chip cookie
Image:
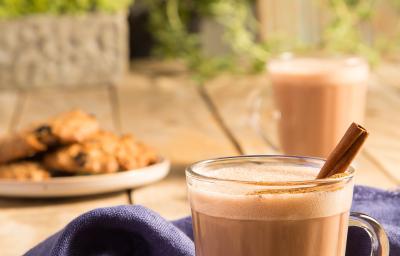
column 72, row 126
column 103, row 152
column 24, row 171
column 132, row 154
column 68, row 127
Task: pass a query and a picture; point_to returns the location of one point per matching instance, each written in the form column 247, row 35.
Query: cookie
column 68, row 127
column 24, row 171
column 72, row 126
column 103, row 152
column 20, row 145
column 132, row 154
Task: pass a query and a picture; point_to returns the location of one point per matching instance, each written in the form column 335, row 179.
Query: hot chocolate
column 317, row 99
column 236, row 220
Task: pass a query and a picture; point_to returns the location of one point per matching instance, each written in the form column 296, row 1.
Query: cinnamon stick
column 340, row 158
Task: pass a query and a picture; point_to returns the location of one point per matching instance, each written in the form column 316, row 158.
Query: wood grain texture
column 8, row 105
column 241, row 104
column 168, row 113
column 308, row 19
column 24, row 223
column 388, row 73
column 167, row 197
column 42, row 103
column 371, row 173
column 383, row 121
column 233, row 96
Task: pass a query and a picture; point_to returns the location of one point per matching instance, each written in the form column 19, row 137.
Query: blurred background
column 47, row 42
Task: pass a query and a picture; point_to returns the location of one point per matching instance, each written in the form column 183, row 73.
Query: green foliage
column 345, row 33
column 168, row 24
column 112, row 5
column 17, row 8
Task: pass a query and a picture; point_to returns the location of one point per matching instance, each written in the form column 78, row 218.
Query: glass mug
column 238, row 211
column 314, row 100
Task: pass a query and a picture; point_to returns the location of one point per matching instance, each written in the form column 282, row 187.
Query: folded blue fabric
column 135, row 230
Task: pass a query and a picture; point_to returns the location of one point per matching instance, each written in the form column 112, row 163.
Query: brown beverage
column 236, row 220
column 317, row 99
column 310, row 237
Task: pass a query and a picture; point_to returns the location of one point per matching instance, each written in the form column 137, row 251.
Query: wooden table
column 160, row 104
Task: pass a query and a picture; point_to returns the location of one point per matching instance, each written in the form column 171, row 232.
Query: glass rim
column 190, row 171
column 345, row 60
column 289, row 55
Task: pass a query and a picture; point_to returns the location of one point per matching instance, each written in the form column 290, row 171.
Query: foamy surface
column 263, row 173
column 336, row 69
column 238, row 201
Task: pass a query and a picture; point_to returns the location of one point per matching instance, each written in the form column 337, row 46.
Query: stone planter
column 43, row 51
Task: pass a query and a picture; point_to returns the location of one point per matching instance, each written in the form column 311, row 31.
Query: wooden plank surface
column 25, row 222
column 383, row 121
column 170, row 114
column 233, row 96
column 238, row 101
column 42, row 103
column 388, row 72
column 8, row 103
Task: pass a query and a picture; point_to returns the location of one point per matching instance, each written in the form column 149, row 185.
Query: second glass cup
column 316, row 99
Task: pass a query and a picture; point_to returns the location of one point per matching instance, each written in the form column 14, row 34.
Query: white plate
column 86, row 185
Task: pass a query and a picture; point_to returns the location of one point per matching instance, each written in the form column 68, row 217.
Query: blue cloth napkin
column 136, row 230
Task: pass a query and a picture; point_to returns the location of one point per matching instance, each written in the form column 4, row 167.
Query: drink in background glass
column 269, row 205
column 317, row 99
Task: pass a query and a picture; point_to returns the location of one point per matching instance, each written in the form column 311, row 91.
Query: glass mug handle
column 379, row 240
